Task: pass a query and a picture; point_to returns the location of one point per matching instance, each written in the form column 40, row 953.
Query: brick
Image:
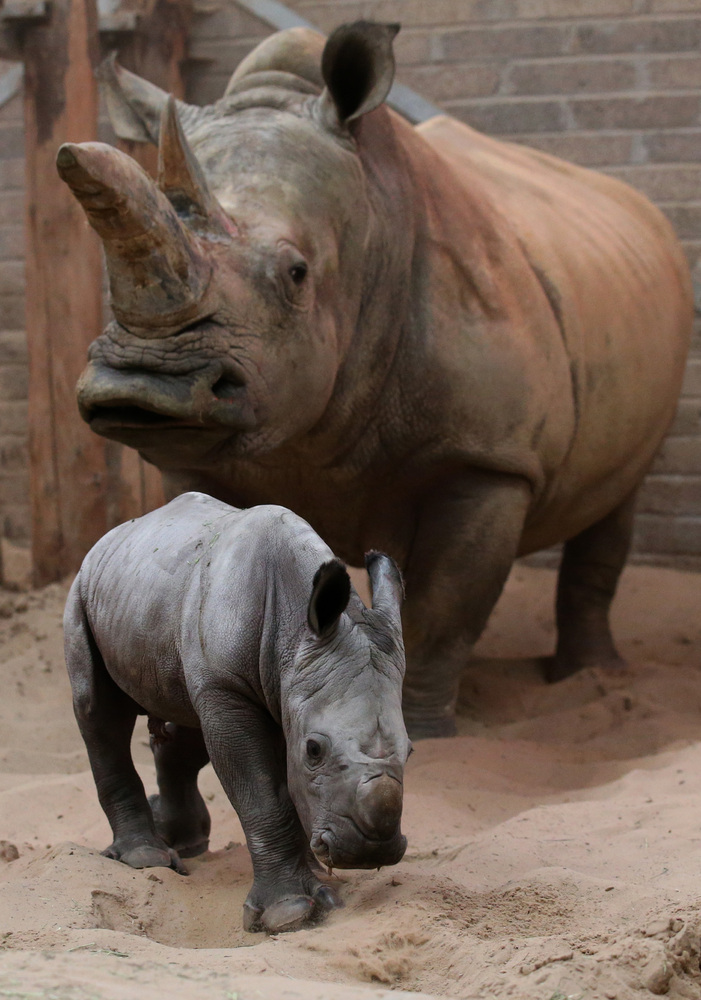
column 409, row 12
column 686, row 219
column 221, row 51
column 13, row 347
column 14, row 455
column 688, row 418
column 678, row 456
column 13, row 418
column 14, row 382
column 12, row 278
column 413, row 48
column 229, row 21
column 638, row 35
column 673, row 6
column 589, row 149
column 569, row 76
column 505, row 117
column 505, row 42
column 12, row 174
column 11, row 207
column 670, row 535
column 11, row 242
column 672, row 495
column 662, row 183
column 678, row 72
column 692, row 378
column 11, row 311
column 670, row 147
column 576, row 8
column 635, row 112
column 692, row 249
column 441, row 83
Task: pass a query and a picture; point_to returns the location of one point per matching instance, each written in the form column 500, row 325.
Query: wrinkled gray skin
column 240, row 635
column 423, row 340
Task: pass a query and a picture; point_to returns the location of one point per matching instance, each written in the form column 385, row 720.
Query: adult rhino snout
column 118, row 403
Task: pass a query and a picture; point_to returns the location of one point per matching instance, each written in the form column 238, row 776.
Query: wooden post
column 156, row 51
column 64, row 300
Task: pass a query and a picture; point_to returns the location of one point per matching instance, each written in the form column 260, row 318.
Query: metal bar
column 402, row 99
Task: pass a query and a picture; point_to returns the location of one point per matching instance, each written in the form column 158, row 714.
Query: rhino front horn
column 158, row 274
column 181, row 179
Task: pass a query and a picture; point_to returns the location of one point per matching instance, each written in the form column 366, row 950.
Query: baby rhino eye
column 313, row 750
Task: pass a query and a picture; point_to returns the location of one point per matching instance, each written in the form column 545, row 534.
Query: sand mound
column 554, row 845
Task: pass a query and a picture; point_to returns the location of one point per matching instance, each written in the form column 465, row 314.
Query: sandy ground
column 554, row 846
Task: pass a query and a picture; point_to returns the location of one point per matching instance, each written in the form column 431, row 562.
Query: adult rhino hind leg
column 466, row 540
column 106, row 717
column 179, row 812
column 591, row 565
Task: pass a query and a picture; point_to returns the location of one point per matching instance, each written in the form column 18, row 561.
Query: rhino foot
column 560, row 667
column 145, row 855
column 290, row 913
column 188, row 835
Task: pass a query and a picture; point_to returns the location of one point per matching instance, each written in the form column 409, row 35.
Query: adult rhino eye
column 298, row 272
column 314, row 751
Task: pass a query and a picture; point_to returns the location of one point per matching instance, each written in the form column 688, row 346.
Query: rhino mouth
column 103, row 417
column 119, row 403
column 357, row 850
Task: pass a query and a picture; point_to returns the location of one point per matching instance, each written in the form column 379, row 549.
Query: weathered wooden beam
column 64, row 300
column 156, row 51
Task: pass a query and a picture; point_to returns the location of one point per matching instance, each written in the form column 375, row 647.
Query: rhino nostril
column 227, row 388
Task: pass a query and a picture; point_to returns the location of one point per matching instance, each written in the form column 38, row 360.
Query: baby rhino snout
column 379, row 806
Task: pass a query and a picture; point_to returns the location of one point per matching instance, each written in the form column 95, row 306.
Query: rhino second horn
column 181, row 178
column 158, row 274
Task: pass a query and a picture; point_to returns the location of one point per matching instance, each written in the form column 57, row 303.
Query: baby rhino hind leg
column 106, row 717
column 591, row 566
column 179, row 812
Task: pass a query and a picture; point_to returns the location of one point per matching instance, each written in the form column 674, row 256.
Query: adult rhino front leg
column 466, row 540
column 247, row 752
column 591, row 565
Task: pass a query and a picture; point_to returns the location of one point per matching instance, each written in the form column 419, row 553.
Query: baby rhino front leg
column 247, row 752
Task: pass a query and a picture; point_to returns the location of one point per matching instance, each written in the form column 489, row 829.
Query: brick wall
column 613, row 84
column 14, row 471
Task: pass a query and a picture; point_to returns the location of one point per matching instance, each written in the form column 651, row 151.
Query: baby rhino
column 241, row 637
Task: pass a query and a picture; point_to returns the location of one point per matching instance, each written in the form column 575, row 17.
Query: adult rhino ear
column 331, row 590
column 135, row 106
column 386, row 583
column 357, row 65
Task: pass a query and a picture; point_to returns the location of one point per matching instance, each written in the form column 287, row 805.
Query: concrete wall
column 612, row 84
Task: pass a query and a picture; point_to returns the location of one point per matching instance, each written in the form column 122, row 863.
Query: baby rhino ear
column 330, row 595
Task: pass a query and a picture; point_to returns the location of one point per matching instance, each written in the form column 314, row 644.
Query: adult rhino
column 422, row 340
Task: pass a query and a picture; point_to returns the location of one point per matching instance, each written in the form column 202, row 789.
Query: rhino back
column 617, row 286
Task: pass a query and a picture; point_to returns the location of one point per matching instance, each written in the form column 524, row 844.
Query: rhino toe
column 147, row 855
column 287, row 914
